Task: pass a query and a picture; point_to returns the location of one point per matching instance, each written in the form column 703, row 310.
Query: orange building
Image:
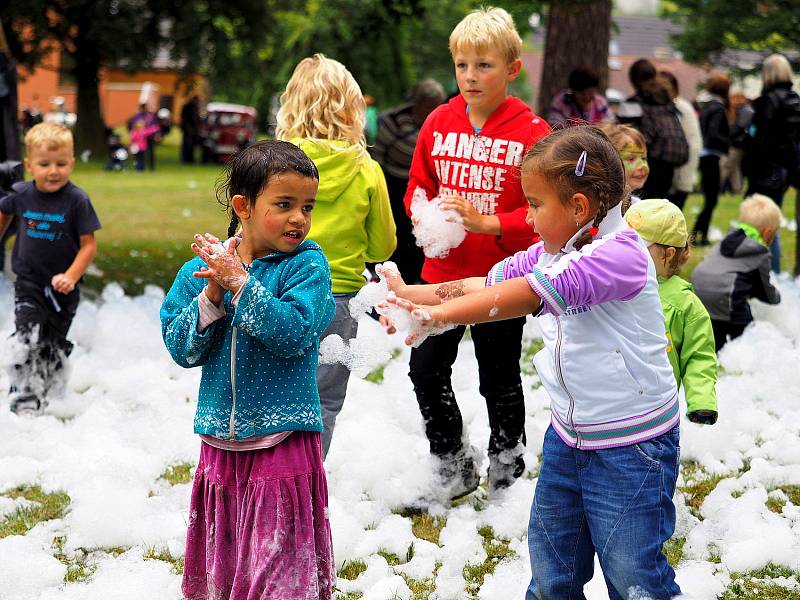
column 120, row 92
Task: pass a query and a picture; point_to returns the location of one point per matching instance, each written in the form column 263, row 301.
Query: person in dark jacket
column 190, row 127
column 652, row 111
column 716, row 142
column 398, row 129
column 772, row 151
column 738, row 268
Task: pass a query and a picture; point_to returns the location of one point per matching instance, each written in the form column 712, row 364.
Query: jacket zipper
column 564, row 385
column 233, row 382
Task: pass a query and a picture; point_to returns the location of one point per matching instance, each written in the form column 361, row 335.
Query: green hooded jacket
column 352, row 220
column 691, row 343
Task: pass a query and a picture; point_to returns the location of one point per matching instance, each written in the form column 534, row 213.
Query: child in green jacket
column 323, row 112
column 691, row 352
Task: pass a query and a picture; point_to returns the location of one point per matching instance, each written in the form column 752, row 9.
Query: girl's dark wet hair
column 556, row 157
column 249, row 171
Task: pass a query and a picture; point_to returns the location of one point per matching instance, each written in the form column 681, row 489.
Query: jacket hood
column 340, row 161
column 508, row 110
column 736, row 244
column 655, row 92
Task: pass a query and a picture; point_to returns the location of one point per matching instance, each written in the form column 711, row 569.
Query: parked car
column 226, row 129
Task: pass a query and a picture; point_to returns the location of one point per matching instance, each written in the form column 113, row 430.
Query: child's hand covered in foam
column 223, row 266
column 420, row 320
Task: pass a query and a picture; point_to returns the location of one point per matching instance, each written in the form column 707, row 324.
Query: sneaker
column 458, row 475
column 26, row 404
column 504, row 469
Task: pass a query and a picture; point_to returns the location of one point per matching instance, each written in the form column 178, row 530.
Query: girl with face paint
column 632, row 149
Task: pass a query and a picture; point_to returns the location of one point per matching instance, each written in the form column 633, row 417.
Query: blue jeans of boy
column 616, row 503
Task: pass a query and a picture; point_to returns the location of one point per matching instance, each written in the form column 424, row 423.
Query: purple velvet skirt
column 258, row 524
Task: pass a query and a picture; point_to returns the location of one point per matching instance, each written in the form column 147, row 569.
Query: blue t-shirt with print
column 49, row 227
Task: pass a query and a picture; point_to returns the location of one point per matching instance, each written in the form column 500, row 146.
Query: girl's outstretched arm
column 505, row 300
column 431, row 293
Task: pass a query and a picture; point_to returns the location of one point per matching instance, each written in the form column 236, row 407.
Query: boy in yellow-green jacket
column 323, row 112
column 691, row 352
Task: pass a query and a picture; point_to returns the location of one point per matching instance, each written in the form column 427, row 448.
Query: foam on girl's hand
column 375, row 296
column 436, row 230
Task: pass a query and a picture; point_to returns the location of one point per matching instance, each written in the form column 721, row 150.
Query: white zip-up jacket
column 604, row 362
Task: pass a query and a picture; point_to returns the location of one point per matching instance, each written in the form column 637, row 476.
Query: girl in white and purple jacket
column 610, row 456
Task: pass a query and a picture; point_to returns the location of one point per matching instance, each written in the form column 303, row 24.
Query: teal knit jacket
column 260, row 360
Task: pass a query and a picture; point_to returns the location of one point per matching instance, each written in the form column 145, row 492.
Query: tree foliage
column 388, row 45
column 246, row 48
column 711, row 26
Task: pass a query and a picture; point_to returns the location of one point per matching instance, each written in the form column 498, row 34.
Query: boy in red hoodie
column 469, row 151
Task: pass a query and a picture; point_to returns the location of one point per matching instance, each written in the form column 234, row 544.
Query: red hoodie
column 448, row 161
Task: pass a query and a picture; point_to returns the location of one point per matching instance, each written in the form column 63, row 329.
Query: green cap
column 658, row 221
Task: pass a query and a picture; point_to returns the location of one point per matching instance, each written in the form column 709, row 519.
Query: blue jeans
column 616, row 503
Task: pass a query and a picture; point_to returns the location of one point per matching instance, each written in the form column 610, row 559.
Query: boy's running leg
column 55, row 348
column 26, row 376
column 497, row 348
column 561, row 550
column 627, row 493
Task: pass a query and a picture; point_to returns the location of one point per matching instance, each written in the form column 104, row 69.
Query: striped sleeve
column 516, row 265
column 608, row 269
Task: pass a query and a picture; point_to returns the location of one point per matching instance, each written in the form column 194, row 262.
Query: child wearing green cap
column 689, row 333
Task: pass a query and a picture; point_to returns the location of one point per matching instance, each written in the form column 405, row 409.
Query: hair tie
column 580, row 166
column 593, row 231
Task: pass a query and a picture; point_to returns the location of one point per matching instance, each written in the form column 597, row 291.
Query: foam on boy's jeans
column 436, row 230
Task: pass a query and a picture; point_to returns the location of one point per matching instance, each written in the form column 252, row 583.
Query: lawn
column 149, row 218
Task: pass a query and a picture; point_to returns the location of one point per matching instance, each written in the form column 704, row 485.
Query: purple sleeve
column 612, row 268
column 516, row 265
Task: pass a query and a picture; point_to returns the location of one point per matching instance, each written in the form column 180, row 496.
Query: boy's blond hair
column 761, row 212
column 487, row 28
column 322, row 101
column 50, row 135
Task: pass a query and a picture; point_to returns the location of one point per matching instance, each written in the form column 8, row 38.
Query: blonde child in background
column 738, row 268
column 54, row 246
column 632, row 149
column 323, row 112
column 610, row 456
column 251, row 315
column 661, row 224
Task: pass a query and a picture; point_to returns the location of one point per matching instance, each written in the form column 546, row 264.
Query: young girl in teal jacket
column 251, row 314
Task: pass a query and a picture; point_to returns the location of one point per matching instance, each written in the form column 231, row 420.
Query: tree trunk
column 578, row 33
column 90, row 129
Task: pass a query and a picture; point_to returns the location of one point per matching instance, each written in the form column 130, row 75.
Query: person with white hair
column 772, row 151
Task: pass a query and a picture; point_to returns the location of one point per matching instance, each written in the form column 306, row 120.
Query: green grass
column 46, row 507
column 728, row 210
column 673, row 550
column 376, row 375
column 77, row 570
column 756, row 585
column 528, row 352
column 497, row 550
column 351, row 569
column 697, row 486
column 176, row 563
column 149, row 218
column 179, row 473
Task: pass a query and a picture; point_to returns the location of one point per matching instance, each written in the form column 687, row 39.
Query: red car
column 227, row 129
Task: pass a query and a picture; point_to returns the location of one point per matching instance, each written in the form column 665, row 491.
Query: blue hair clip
column 580, row 166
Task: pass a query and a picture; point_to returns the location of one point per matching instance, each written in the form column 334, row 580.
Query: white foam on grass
column 128, row 412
